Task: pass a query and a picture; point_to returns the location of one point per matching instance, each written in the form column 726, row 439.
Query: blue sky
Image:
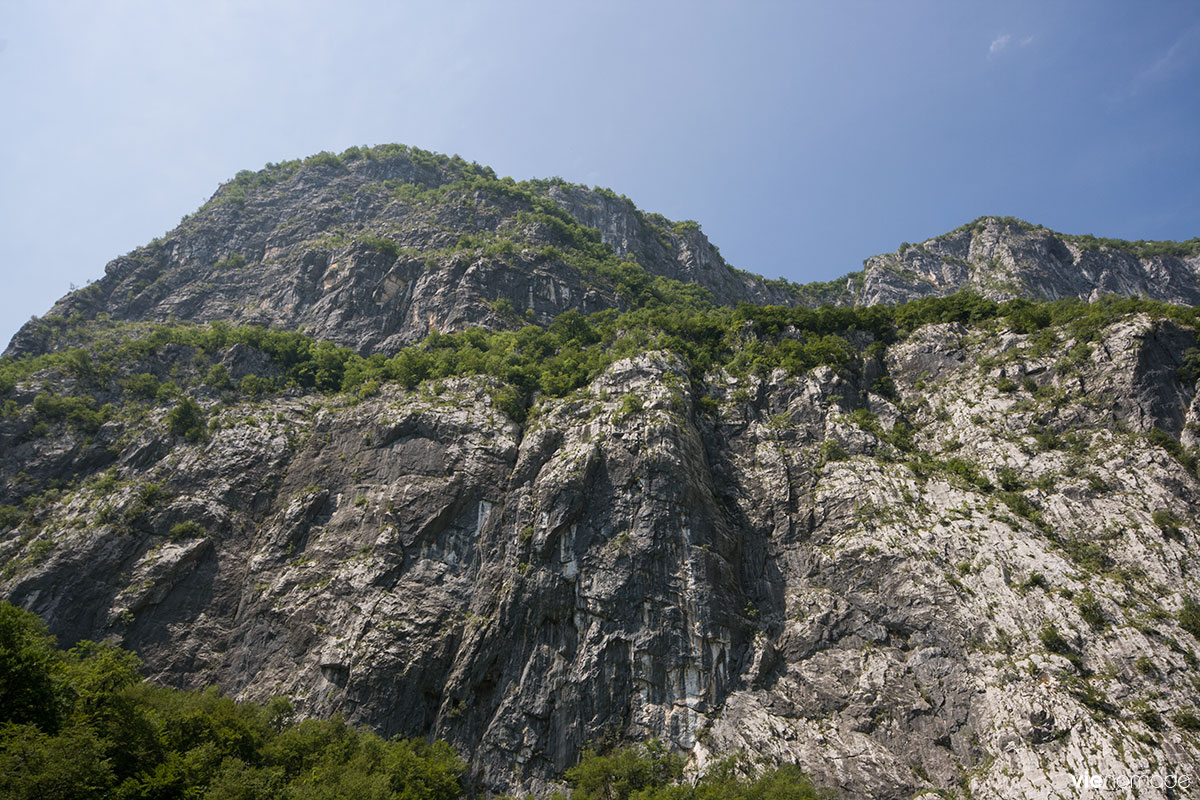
column 803, row 136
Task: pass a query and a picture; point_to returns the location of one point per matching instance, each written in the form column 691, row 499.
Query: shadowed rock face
column 778, row 573
column 721, row 581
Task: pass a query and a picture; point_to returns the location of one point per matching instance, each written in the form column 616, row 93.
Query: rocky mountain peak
column 374, row 248
column 1003, row 258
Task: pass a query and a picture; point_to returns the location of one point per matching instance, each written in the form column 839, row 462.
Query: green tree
column 621, row 773
column 31, row 670
column 1189, row 617
column 187, row 420
column 37, row 766
column 113, row 735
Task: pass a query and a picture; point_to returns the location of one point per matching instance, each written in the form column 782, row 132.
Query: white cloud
column 1004, row 41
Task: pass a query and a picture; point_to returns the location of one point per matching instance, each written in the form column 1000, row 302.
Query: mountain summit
column 377, row 247
column 1004, row 258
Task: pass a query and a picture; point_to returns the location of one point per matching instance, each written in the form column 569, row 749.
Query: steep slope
column 1003, row 258
column 935, row 547
column 972, row 536
column 377, row 247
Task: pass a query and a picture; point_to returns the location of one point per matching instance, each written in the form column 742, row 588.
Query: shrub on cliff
column 187, row 420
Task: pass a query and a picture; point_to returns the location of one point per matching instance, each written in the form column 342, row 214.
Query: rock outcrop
column 1006, row 258
column 376, row 249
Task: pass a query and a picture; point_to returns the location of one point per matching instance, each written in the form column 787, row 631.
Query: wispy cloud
column 1005, row 41
column 1175, row 58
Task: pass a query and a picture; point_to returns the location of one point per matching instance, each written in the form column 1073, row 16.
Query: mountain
column 1003, row 258
column 376, row 247
column 915, row 540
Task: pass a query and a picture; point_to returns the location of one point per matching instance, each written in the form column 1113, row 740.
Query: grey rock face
column 375, row 253
column 994, row 607
column 731, row 580
column 1003, row 259
column 674, row 250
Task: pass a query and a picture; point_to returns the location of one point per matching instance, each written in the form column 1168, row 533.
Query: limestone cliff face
column 374, row 249
column 1003, row 258
column 996, row 607
column 679, row 251
column 773, row 562
column 377, row 250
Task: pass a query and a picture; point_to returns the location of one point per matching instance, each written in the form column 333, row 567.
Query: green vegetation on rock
column 1140, row 248
column 650, row 772
column 552, row 360
column 83, row 724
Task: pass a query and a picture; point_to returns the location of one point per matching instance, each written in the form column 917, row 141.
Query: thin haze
column 803, row 136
